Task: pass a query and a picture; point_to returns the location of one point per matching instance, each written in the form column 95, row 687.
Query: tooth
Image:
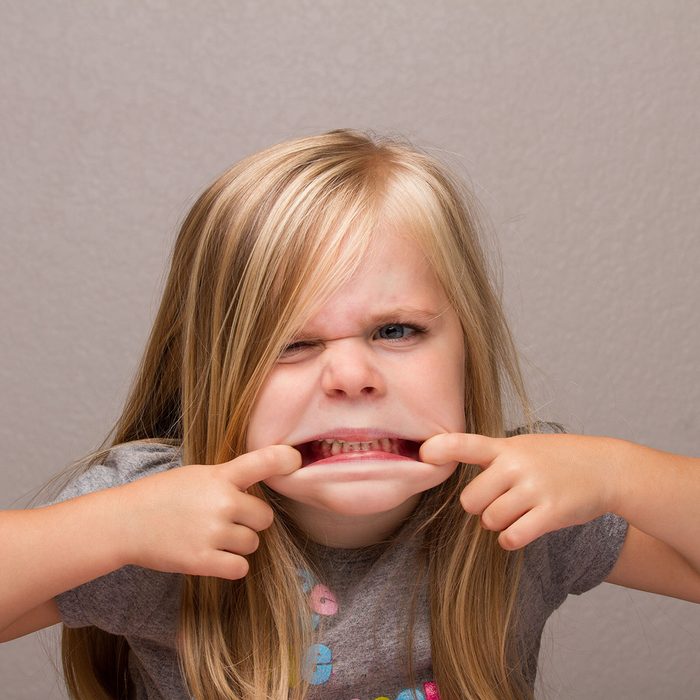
column 374, row 445
column 335, row 447
column 386, row 444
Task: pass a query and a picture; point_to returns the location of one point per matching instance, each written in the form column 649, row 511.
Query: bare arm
column 659, row 494
column 48, row 550
column 44, row 615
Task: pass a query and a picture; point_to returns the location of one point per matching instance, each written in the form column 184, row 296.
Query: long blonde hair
column 268, row 241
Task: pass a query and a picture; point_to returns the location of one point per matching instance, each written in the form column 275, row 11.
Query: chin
column 358, row 499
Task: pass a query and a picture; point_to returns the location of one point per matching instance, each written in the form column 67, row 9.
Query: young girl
column 312, row 491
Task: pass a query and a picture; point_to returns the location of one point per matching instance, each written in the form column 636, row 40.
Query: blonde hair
column 267, row 242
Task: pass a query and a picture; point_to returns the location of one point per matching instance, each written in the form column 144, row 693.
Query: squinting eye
column 294, row 347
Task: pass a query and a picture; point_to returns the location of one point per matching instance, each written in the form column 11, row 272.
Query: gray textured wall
column 576, row 120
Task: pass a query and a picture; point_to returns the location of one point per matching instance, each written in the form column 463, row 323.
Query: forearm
column 659, row 493
column 46, row 551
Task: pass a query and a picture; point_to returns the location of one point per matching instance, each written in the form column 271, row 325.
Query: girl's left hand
column 534, row 483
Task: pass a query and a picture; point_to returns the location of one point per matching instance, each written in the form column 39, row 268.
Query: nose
column 350, row 370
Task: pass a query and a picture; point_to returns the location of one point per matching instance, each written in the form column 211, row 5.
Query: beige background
column 577, row 122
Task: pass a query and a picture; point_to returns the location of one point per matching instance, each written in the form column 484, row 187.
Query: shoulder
column 131, row 460
column 123, row 463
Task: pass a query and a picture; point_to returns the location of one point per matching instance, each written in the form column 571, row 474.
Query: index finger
column 252, row 467
column 468, row 448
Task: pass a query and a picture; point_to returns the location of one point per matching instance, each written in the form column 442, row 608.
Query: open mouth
column 383, row 448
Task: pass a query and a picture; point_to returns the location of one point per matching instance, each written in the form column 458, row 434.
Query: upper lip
column 356, row 435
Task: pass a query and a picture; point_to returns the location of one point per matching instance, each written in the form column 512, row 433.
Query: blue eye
column 399, row 331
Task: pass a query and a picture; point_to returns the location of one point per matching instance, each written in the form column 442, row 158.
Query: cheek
column 262, row 417
column 447, row 395
column 442, row 388
column 276, row 410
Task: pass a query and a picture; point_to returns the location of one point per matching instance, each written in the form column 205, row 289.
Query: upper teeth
column 337, row 446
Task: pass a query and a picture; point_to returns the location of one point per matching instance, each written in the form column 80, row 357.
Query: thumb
column 468, row 448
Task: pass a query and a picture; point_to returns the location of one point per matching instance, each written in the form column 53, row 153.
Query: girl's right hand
column 198, row 519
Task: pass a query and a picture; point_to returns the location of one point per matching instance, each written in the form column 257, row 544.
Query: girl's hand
column 198, row 519
column 532, row 484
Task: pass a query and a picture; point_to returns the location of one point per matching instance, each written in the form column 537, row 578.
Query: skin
column 345, row 370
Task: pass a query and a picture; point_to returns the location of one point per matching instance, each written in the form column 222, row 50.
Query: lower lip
column 359, row 457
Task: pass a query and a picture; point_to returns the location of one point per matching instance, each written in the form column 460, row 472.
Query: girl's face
column 376, row 371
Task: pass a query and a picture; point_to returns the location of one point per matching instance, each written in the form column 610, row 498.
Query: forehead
column 393, row 280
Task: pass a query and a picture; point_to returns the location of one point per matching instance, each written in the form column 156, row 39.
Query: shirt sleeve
column 123, row 602
column 579, row 558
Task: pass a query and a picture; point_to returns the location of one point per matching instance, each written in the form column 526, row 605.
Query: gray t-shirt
column 362, row 603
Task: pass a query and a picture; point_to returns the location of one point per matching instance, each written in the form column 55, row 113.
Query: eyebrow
column 406, row 313
column 402, row 313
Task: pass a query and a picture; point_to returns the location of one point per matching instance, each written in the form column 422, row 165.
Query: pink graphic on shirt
column 323, row 600
column 431, row 691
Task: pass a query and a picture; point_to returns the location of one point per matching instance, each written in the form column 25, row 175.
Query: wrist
column 625, row 464
column 111, row 512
